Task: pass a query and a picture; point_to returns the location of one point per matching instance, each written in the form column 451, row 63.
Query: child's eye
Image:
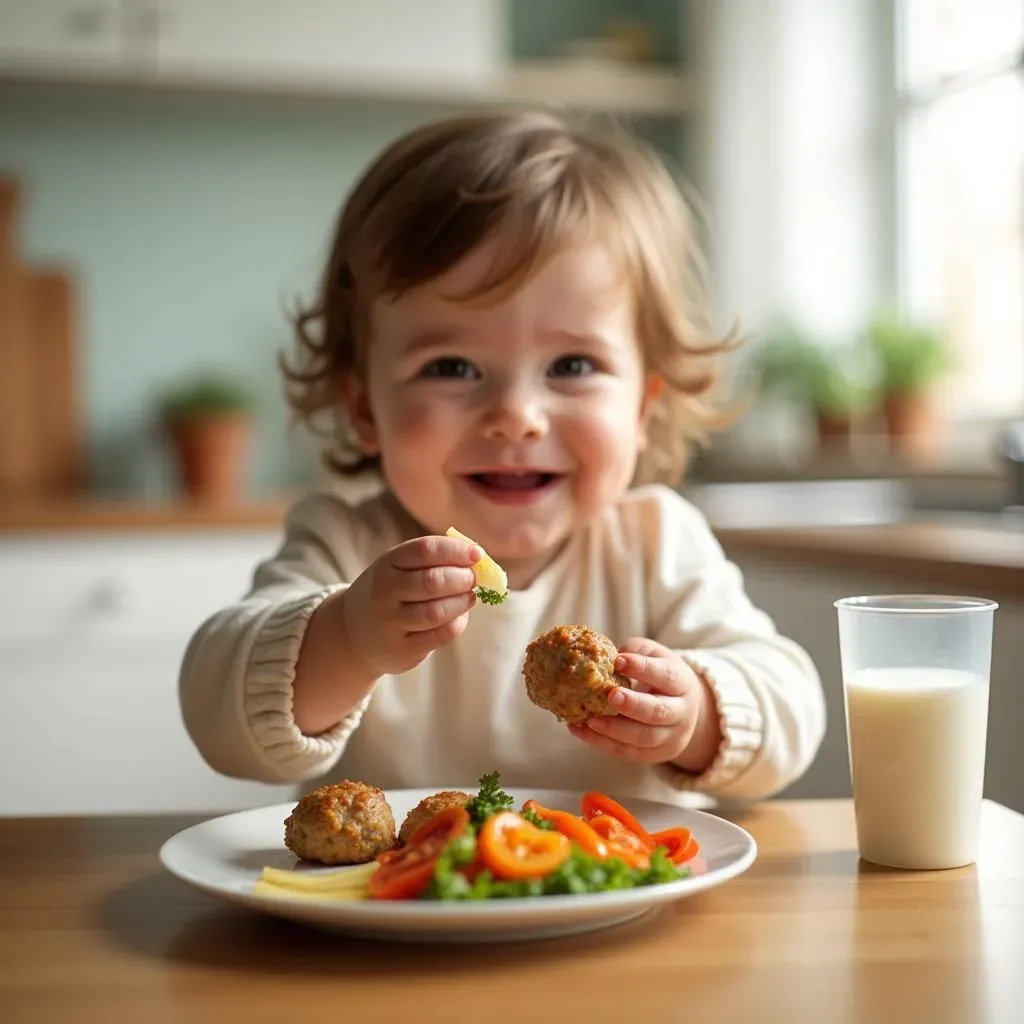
column 572, row 366
column 451, row 367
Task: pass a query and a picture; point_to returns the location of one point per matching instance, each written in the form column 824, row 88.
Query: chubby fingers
column 428, row 569
column 668, row 676
column 427, row 640
column 645, row 720
column 647, row 709
column 433, row 583
column 420, row 616
column 629, row 740
column 427, row 552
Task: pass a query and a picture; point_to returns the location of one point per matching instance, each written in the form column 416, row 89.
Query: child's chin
column 526, row 543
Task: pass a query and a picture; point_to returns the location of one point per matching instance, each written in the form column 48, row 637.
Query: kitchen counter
column 92, row 929
column 964, row 552
column 969, row 553
column 117, row 515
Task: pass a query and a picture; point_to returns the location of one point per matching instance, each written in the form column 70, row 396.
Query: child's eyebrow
column 433, row 337
column 587, row 339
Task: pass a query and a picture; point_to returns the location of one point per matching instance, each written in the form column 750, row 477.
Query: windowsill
column 781, row 444
column 964, row 473
column 728, row 466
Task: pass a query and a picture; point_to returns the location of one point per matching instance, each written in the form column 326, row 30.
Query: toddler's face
column 513, row 420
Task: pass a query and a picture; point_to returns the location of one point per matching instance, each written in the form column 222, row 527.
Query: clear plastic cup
column 915, row 687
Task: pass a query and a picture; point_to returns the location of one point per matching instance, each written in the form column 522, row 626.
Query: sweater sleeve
column 767, row 691
column 235, row 684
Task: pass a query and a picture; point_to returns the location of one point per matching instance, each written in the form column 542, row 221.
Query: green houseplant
column 830, row 381
column 911, row 357
column 208, row 422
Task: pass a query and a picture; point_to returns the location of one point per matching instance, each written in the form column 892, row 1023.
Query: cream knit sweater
column 649, row 566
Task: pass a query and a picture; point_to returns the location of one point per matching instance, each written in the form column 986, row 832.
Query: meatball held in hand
column 569, row 671
column 344, row 823
column 428, row 807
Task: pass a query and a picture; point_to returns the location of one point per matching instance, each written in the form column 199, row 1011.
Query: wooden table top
column 93, row 930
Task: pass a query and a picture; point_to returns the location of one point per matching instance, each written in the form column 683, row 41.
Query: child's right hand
column 413, row 599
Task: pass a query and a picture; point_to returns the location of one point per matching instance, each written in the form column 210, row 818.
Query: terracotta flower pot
column 834, row 429
column 911, row 423
column 211, row 452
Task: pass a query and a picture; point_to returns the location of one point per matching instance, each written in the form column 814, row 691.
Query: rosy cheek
column 417, row 424
column 605, row 430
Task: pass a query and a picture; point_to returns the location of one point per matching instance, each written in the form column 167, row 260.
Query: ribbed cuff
column 741, row 721
column 268, row 694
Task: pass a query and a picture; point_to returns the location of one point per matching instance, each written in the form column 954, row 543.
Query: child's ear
column 355, row 396
column 654, row 385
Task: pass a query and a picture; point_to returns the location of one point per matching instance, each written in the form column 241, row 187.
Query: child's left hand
column 670, row 709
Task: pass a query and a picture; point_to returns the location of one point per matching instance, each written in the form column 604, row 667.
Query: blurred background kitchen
column 169, row 174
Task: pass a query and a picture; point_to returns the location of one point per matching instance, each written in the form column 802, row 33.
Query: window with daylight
column 960, row 193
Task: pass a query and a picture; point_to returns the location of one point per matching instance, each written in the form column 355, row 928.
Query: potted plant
column 208, row 422
column 911, row 358
column 831, row 381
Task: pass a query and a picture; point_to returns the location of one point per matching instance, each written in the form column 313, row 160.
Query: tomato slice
column 404, row 874
column 621, row 842
column 446, row 825
column 572, row 828
column 511, row 848
column 679, row 842
column 596, row 804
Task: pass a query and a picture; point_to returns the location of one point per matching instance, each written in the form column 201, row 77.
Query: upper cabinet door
column 329, row 43
column 70, row 37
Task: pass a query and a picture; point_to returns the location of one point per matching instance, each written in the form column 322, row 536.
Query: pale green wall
column 191, row 220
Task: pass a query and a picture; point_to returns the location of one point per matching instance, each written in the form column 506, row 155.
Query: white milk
column 917, row 753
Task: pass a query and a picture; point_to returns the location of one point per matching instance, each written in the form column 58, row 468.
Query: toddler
column 510, row 337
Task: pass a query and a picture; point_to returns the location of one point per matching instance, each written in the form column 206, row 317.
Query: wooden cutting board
column 40, row 432
column 18, row 463
column 58, row 443
column 8, row 218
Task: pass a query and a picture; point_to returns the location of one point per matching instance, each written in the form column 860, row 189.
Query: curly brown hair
column 437, row 193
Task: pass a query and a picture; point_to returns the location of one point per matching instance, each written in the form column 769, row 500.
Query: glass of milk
column 915, row 683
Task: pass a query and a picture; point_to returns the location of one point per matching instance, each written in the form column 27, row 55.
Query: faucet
column 1011, row 447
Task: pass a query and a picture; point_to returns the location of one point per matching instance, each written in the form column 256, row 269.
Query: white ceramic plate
column 226, row 855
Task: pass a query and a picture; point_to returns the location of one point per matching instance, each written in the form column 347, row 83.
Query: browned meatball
column 344, row 823
column 569, row 672
column 428, row 807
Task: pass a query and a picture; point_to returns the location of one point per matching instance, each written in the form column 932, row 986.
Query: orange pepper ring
column 512, row 849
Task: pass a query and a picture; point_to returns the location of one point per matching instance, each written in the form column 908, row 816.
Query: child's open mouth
column 514, row 488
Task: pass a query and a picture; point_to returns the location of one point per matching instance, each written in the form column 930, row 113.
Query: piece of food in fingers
column 570, row 671
column 428, row 807
column 491, row 580
column 343, row 823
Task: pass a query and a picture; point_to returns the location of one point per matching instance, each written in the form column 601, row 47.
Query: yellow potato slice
column 262, row 888
column 346, row 880
column 489, row 575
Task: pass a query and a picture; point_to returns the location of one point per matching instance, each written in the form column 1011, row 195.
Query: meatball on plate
column 344, row 823
column 428, row 807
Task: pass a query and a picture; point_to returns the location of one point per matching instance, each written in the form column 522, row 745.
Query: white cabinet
column 799, row 596
column 92, row 632
column 50, row 36
column 315, row 45
column 328, row 42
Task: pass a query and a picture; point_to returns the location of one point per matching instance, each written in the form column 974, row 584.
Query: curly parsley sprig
column 491, row 799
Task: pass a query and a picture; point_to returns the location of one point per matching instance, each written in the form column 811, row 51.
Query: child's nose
column 514, row 415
